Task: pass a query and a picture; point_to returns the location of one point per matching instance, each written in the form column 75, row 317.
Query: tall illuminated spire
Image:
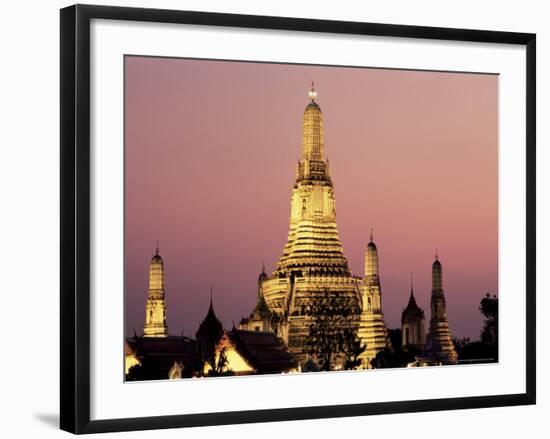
column 313, row 263
column 372, row 328
column 439, row 336
column 155, row 309
column 313, row 242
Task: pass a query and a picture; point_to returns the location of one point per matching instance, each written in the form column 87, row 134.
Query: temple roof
column 128, row 350
column 169, row 345
column 262, row 350
column 210, row 326
column 162, row 352
column 412, row 312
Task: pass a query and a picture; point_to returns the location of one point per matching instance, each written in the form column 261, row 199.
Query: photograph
column 293, row 218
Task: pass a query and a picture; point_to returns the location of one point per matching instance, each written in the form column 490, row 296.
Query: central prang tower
column 313, row 246
column 313, row 261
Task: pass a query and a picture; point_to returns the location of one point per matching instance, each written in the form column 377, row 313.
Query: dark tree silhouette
column 331, row 332
column 395, row 356
column 489, row 334
column 486, row 349
column 473, row 350
column 219, row 365
column 395, row 338
column 489, row 308
column 383, row 359
column 352, row 348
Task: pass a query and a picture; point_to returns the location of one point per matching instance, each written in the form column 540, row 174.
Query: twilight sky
column 211, row 150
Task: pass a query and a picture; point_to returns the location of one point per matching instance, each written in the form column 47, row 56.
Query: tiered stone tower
column 372, row 329
column 313, row 261
column 313, row 246
column 155, row 309
column 439, row 337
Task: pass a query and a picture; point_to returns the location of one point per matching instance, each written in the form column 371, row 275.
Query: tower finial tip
column 157, row 248
column 312, row 92
column 371, row 234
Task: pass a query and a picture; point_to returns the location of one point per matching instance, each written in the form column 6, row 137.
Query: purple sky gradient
column 211, row 149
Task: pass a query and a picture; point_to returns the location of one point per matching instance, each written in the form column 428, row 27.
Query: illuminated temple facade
column 313, row 266
column 313, row 260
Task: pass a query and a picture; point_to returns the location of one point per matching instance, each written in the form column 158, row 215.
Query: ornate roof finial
column 411, row 283
column 371, row 234
column 312, row 92
column 436, row 255
column 263, row 266
column 157, row 248
column 211, row 288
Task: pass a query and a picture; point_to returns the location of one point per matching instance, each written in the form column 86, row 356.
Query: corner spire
column 436, row 255
column 412, row 284
column 155, row 308
column 211, row 302
column 371, row 235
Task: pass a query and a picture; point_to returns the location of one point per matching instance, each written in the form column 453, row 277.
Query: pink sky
column 211, row 149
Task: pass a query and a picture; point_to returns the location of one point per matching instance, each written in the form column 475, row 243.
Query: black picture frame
column 75, row 217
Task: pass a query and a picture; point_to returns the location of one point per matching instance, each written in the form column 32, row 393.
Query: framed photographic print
column 208, row 275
